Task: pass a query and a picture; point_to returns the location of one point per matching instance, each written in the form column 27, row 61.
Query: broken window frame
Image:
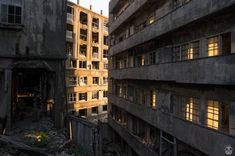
column 82, row 64
column 83, row 34
column 83, row 50
column 73, row 64
column 73, row 81
column 105, row 40
column 95, row 65
column 82, row 21
column 105, row 94
column 95, row 22
column 95, row 80
column 95, row 52
column 104, row 108
column 83, row 81
column 105, row 54
column 95, row 95
column 95, row 110
column 82, row 96
column 95, row 37
column 105, row 80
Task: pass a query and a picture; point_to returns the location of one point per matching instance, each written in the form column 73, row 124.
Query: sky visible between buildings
column 97, row 5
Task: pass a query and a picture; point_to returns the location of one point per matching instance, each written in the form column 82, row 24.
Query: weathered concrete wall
column 86, row 135
column 201, row 138
column 112, row 5
column 41, row 37
column 173, row 20
column 42, row 33
column 5, row 77
column 214, row 70
column 125, row 15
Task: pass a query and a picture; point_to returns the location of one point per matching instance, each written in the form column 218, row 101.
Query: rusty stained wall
column 42, row 32
column 40, row 37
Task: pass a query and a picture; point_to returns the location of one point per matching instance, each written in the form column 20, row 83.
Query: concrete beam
column 210, row 70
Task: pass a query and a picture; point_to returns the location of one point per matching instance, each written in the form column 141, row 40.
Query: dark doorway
column 33, row 94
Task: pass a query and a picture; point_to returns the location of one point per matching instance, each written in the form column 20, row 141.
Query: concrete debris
column 40, row 135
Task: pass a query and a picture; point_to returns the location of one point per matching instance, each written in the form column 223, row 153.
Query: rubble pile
column 8, row 151
column 43, row 136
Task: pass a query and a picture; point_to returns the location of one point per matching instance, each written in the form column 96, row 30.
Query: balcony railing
column 95, row 25
column 106, row 29
column 69, row 34
column 70, row 17
column 83, row 37
column 95, row 55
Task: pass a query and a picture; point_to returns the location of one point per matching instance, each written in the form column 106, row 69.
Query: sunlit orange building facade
column 87, row 63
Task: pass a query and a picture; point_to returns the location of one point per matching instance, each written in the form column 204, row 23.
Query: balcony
column 83, row 37
column 210, row 70
column 130, row 139
column 70, row 18
column 112, row 4
column 130, row 10
column 95, row 25
column 202, row 138
column 95, row 55
column 106, row 29
column 69, row 36
column 176, row 18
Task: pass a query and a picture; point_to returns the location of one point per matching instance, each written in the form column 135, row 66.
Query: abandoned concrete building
column 32, row 60
column 171, row 77
column 87, row 64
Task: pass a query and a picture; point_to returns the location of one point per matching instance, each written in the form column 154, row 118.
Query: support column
column 8, row 97
column 232, row 118
column 233, row 40
column 60, row 97
column 88, row 111
column 160, row 147
column 203, row 109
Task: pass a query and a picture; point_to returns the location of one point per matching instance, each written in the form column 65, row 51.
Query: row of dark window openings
column 83, row 35
column 84, row 18
column 216, row 45
column 146, row 133
column 83, row 51
column 95, row 65
column 188, row 108
column 95, row 37
column 94, row 110
column 75, row 97
column 151, row 19
column 82, row 81
column 95, row 52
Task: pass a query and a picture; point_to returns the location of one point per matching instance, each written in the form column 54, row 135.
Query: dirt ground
column 40, row 135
